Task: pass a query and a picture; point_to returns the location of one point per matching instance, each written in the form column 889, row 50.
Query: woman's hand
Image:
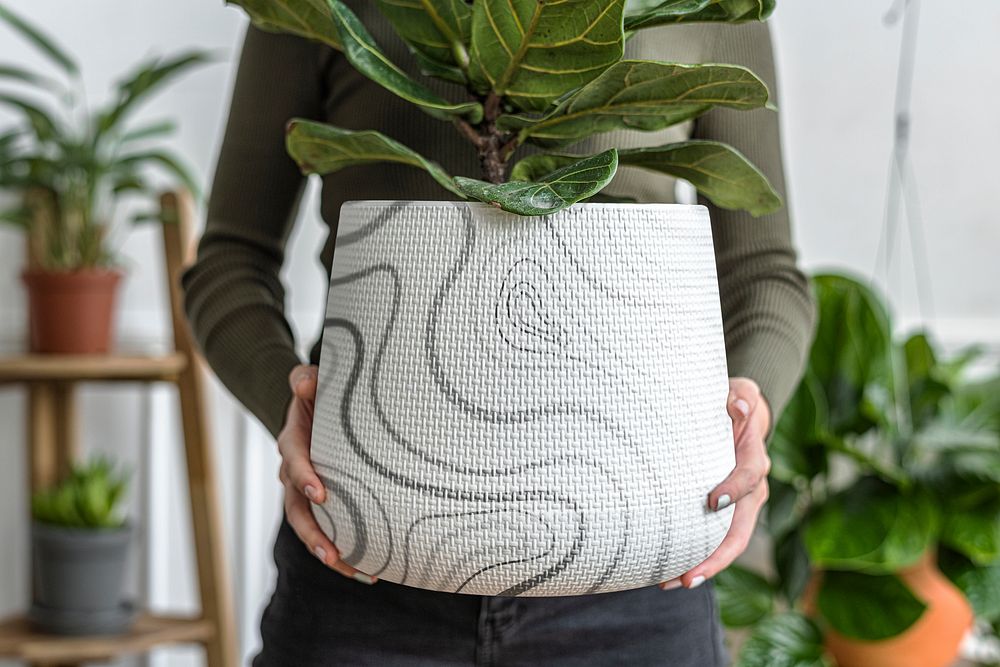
column 300, row 480
column 746, row 485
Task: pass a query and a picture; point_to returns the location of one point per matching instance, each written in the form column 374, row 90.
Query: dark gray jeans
column 318, row 618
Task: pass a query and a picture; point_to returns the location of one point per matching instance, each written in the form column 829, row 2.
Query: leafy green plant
column 89, row 498
column 67, row 164
column 547, row 74
column 885, row 452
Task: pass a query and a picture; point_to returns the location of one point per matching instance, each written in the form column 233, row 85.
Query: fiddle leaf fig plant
column 536, row 73
column 67, row 164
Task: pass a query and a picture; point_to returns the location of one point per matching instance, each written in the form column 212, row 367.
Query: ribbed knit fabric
column 234, row 296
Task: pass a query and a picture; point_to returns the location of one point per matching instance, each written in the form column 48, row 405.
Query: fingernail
column 670, row 585
column 364, row 578
column 310, row 492
column 302, row 376
column 320, row 553
column 723, row 502
column 696, row 582
column 741, row 406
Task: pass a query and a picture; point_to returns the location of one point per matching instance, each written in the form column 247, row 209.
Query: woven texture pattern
column 523, row 406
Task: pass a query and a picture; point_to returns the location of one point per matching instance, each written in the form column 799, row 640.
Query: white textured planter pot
column 523, row 406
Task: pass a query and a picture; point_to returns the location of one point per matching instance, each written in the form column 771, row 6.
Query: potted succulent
column 80, row 545
column 68, row 167
column 885, row 501
column 493, row 416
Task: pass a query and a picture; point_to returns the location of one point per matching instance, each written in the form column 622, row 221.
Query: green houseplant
column 540, row 74
column 885, row 466
column 67, row 167
column 507, row 306
column 80, row 543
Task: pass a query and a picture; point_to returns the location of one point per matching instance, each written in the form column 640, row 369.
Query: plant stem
column 491, row 152
column 469, row 132
column 494, row 145
column 493, row 164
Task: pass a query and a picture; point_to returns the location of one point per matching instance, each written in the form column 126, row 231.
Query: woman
column 325, row 612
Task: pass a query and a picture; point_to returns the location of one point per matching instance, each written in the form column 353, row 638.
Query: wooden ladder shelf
column 51, row 381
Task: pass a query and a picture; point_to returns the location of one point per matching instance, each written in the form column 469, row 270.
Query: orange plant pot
column 71, row 312
column 933, row 641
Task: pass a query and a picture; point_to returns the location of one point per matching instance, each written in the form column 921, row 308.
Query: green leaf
column 145, row 80
column 744, row 597
column 87, row 498
column 560, row 189
column 437, row 31
column 129, row 179
column 305, row 18
column 873, row 527
column 166, row 161
column 40, row 40
column 975, row 405
column 719, row 172
column 783, row 511
column 18, row 217
column 944, row 454
column 22, row 75
column 797, row 446
column 974, row 531
column 642, row 95
column 532, row 53
column 927, row 386
column 362, row 51
column 149, row 131
column 784, row 640
column 792, row 562
column 42, row 123
column 323, row 149
column 650, row 13
column 979, row 583
column 851, row 354
column 867, row 607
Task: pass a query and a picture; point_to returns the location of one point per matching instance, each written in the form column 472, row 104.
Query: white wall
column 837, row 67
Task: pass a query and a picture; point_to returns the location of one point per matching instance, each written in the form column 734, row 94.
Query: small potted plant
column 885, row 501
column 80, row 543
column 68, row 167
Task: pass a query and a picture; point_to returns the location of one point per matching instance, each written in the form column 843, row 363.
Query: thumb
column 738, row 407
column 302, row 380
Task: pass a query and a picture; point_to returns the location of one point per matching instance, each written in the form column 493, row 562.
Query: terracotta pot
column 71, row 312
column 933, row 641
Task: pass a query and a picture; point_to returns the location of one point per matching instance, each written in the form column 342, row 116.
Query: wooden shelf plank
column 97, row 368
column 19, row 640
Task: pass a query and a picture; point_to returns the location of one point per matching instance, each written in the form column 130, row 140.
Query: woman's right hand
column 302, row 484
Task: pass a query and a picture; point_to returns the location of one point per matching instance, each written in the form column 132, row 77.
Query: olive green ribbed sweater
column 235, row 299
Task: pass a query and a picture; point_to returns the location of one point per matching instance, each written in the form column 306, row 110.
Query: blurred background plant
column 89, row 498
column 887, row 454
column 67, row 165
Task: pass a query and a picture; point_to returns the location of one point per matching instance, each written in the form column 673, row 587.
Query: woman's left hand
column 746, row 485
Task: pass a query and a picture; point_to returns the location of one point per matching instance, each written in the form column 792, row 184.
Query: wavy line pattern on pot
column 494, row 359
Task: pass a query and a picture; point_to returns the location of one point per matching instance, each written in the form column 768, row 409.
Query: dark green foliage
column 70, row 164
column 544, row 73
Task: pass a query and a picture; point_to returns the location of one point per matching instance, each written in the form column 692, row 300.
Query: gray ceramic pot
column 79, row 577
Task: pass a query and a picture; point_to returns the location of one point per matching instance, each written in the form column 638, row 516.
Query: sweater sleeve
column 767, row 305
column 234, row 297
